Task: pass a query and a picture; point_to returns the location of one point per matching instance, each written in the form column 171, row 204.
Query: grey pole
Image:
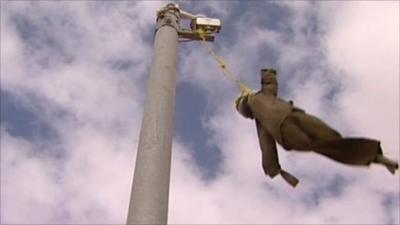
column 150, row 187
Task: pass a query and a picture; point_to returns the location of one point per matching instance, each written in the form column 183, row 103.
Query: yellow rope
column 244, row 89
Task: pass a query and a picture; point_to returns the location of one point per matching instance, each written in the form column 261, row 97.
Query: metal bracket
column 192, row 35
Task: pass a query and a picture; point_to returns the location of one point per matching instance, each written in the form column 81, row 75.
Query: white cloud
column 236, row 136
column 95, row 107
column 364, row 43
column 92, row 105
column 26, row 183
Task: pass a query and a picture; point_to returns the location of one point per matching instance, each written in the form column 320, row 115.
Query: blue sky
column 73, row 84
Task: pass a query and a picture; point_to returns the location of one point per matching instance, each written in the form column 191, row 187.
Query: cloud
column 366, row 49
column 322, row 87
column 33, row 176
column 81, row 67
column 64, row 74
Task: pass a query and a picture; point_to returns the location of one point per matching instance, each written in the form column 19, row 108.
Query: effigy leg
column 293, row 137
column 303, row 131
column 314, row 127
column 391, row 165
column 352, row 151
column 300, row 131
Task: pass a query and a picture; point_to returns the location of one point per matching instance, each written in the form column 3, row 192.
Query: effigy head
column 269, row 83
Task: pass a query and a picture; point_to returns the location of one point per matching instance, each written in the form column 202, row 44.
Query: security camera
column 209, row 25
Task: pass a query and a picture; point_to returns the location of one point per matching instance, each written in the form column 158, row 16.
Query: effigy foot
column 391, row 165
column 392, row 169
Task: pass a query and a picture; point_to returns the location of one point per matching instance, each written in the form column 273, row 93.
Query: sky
column 74, row 81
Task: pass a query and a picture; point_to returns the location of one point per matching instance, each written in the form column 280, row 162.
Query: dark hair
column 269, row 70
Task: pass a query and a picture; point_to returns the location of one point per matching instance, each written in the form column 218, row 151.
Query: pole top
column 209, row 26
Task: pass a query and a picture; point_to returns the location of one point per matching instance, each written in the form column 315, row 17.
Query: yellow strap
column 244, row 89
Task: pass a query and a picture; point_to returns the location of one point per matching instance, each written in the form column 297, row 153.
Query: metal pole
column 150, row 187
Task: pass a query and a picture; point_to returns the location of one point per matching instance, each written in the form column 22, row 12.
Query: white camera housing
column 209, row 25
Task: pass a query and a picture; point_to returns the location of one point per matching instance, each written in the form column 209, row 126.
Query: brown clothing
column 324, row 140
column 281, row 121
column 271, row 111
